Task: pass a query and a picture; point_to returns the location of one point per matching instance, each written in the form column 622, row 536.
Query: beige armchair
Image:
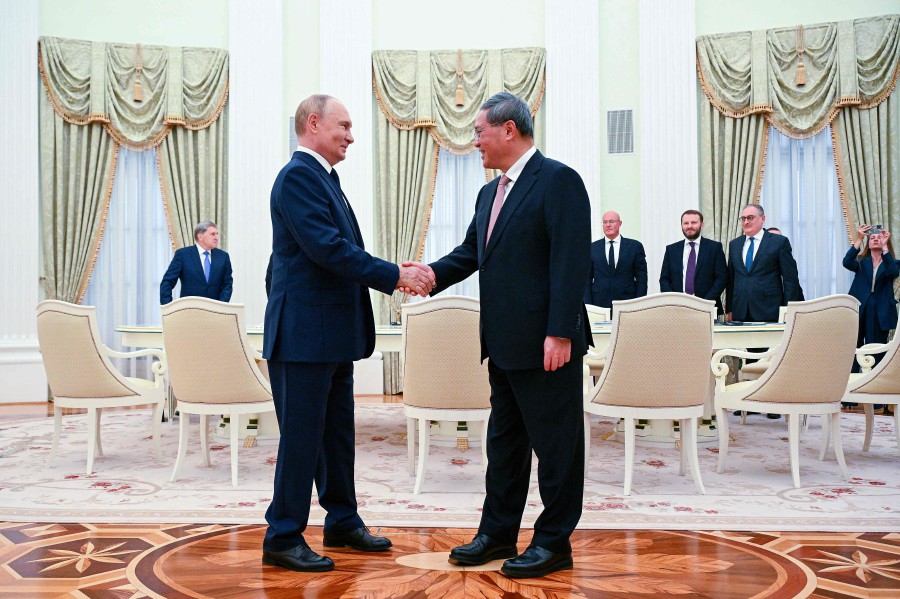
column 877, row 384
column 212, row 370
column 594, row 360
column 81, row 375
column 444, row 378
column 655, row 368
column 808, row 374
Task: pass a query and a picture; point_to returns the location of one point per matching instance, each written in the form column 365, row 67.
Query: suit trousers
column 314, row 406
column 870, row 330
column 541, row 411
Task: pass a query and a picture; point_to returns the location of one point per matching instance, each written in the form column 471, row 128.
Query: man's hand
column 557, row 351
column 728, row 317
column 416, row 279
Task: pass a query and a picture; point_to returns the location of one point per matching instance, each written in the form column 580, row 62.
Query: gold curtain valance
column 846, row 63
column 419, row 88
column 137, row 92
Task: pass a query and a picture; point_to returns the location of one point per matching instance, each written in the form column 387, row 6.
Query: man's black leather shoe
column 360, row 539
column 536, row 561
column 481, row 550
column 300, row 559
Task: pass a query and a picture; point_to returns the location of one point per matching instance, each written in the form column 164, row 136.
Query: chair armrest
column 159, row 367
column 256, row 355
column 721, row 370
column 864, row 354
column 593, row 356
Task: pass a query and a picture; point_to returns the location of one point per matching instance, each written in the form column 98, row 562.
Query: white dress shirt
column 516, row 170
column 202, row 257
column 616, row 246
column 687, row 254
column 758, row 237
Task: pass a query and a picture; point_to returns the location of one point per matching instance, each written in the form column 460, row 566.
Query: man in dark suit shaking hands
column 203, row 268
column 318, row 322
column 695, row 265
column 762, row 272
column 618, row 266
column 530, row 242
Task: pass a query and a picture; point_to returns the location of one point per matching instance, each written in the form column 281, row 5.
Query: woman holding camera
column 873, row 284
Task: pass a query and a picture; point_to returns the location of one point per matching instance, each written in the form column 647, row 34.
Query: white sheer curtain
column 134, row 254
column 458, row 180
column 801, row 197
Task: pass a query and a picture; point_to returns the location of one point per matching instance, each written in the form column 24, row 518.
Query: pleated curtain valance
column 418, row 89
column 138, row 93
column 847, row 63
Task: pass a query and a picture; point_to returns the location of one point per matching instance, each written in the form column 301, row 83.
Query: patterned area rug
column 754, row 493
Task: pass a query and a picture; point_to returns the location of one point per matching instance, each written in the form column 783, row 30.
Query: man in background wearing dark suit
column 695, row 265
column 799, row 297
column 203, row 268
column 318, row 322
column 762, row 272
column 530, row 242
column 618, row 266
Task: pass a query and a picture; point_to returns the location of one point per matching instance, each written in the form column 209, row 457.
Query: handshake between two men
column 416, row 279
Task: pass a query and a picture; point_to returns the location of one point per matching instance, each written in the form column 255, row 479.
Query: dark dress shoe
column 299, row 559
column 773, row 416
column 360, row 539
column 481, row 550
column 536, row 561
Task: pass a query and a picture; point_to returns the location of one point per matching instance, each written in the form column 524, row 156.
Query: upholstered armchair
column 877, row 384
column 655, row 368
column 444, row 378
column 81, row 375
column 593, row 359
column 212, row 370
column 807, row 375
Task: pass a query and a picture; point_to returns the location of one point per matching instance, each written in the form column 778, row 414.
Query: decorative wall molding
column 22, row 375
column 668, row 116
column 572, row 101
column 346, row 73
column 256, row 143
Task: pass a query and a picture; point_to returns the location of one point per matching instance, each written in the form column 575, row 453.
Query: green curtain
column 78, row 168
column 193, row 171
column 417, row 94
column 732, row 159
column 99, row 96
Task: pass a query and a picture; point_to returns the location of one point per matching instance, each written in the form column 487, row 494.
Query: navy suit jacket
column 710, row 276
column 186, row 265
column 540, row 244
column 771, row 282
column 319, row 308
column 628, row 281
column 861, row 287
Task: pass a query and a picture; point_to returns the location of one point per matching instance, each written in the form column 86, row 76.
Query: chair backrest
column 884, row 378
column 442, row 354
column 596, row 314
column 658, row 353
column 209, row 359
column 74, row 357
column 813, row 361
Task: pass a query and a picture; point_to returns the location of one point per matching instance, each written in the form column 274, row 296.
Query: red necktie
column 498, row 204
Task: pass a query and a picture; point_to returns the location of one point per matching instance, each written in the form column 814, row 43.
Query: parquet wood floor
column 119, row 561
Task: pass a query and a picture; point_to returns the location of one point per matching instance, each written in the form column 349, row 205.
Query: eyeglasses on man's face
column 480, row 130
column 610, row 222
column 747, row 219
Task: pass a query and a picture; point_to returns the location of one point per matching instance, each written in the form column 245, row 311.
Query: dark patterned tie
column 612, row 256
column 691, row 270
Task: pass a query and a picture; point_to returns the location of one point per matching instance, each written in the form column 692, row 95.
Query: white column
column 668, row 80
column 22, row 375
column 345, row 68
column 257, row 143
column 572, row 99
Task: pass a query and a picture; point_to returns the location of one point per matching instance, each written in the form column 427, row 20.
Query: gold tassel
column 800, row 74
column 460, row 94
column 138, row 93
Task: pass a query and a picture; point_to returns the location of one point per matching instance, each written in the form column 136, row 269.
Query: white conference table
column 389, row 338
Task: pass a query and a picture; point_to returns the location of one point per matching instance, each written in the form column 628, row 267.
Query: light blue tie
column 748, row 261
column 206, row 265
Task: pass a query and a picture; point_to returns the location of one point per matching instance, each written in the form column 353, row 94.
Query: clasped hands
column 416, row 279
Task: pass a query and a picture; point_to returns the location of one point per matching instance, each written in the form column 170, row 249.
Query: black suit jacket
column 861, row 287
column 627, row 281
column 710, row 276
column 539, row 247
column 771, row 282
column 186, row 265
column 319, row 308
